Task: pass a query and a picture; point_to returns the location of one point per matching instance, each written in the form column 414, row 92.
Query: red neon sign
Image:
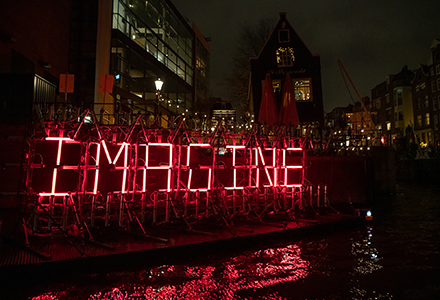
column 58, row 167
column 198, row 163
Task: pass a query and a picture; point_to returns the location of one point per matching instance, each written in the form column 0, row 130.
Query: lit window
column 200, row 66
column 427, row 119
column 302, row 90
column 426, row 103
column 419, row 120
column 388, row 126
column 285, row 56
column 421, row 86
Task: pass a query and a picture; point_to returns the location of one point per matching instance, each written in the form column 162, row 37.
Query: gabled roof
column 423, row 69
column 283, row 23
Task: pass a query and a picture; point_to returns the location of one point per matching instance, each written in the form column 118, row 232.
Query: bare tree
column 249, row 44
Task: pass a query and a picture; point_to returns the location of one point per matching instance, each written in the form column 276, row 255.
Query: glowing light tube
column 119, row 152
column 53, row 194
column 290, row 167
column 104, row 145
column 124, row 176
column 98, row 156
column 209, row 168
column 166, row 167
column 144, row 178
column 189, row 179
column 55, row 170
column 58, row 138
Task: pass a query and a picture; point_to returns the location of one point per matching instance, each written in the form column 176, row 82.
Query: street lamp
column 158, row 83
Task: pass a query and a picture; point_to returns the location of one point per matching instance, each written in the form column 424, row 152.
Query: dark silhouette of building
column 426, row 96
column 283, row 52
column 34, row 51
column 393, row 105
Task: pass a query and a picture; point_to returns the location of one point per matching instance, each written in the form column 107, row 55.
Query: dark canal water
column 397, row 256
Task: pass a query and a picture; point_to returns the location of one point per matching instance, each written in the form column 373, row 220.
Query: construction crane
column 346, row 77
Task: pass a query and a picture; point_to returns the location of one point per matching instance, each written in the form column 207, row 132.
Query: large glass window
column 156, row 28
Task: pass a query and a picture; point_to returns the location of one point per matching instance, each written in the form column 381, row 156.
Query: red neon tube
column 98, row 155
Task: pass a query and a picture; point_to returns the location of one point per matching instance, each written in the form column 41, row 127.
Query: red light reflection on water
column 251, row 271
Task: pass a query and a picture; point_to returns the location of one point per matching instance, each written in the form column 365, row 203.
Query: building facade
column 222, row 111
column 283, row 52
column 407, row 105
column 149, row 40
column 422, row 106
column 434, row 72
column 115, row 50
column 392, row 107
column 202, row 102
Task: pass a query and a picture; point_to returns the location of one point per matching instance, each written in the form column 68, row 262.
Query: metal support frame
column 177, row 201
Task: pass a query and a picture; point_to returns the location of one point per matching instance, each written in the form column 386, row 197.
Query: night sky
column 371, row 38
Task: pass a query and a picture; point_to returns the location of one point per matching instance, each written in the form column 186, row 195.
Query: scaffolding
column 84, row 176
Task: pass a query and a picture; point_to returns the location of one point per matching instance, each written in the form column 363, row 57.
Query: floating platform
column 104, row 196
column 113, row 245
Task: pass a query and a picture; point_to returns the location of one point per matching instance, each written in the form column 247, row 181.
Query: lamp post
column 158, row 83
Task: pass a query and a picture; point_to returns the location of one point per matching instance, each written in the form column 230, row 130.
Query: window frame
column 283, row 31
